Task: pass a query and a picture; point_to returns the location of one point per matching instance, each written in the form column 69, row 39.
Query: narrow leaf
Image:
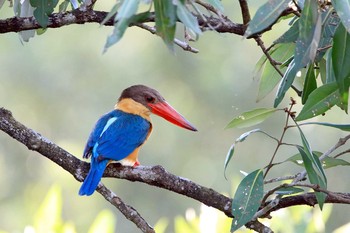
column 247, row 199
column 319, row 101
column 110, row 14
column 291, row 35
column 187, row 18
column 310, row 83
column 286, row 82
column 314, row 176
column 165, row 12
column 251, row 118
column 265, row 16
column 289, row 191
column 43, row 8
column 330, row 78
column 228, row 158
column 246, row 134
column 269, row 76
column 127, row 9
column 337, row 126
column 341, row 61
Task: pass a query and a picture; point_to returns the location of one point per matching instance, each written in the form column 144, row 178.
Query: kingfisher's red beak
column 163, row 109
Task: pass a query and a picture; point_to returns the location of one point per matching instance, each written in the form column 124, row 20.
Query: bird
column 119, row 134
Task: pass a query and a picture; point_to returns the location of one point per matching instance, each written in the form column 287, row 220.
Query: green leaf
column 63, row 6
column 341, row 61
column 288, row 191
column 314, row 175
column 330, row 78
column 43, row 8
column 319, row 101
column 228, row 158
column 310, row 83
column 187, row 18
column 310, row 26
column 286, row 82
column 338, row 126
column 343, row 10
column 246, row 134
column 269, row 76
column 127, row 9
column 247, row 199
column 165, row 12
column 110, row 14
column 251, row 118
column 265, row 16
column 121, row 26
column 291, row 35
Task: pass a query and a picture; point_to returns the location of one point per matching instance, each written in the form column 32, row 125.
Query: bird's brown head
column 152, row 100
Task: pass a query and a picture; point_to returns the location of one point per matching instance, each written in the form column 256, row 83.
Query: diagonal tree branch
column 155, row 176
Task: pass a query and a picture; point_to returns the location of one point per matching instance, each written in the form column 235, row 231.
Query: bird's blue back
column 116, row 135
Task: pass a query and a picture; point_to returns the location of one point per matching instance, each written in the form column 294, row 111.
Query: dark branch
column 245, row 11
column 155, row 176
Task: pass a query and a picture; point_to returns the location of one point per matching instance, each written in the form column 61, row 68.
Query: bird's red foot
column 137, row 163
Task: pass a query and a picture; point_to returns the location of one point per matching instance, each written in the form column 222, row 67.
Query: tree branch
column 155, row 176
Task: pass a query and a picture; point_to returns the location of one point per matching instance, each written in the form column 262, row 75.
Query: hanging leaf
column 43, row 8
column 165, row 12
column 247, row 199
column 127, row 9
column 187, row 18
column 112, row 13
column 310, row 83
column 319, row 101
column 286, row 82
column 312, row 166
column 266, row 15
column 251, row 118
column 228, row 158
column 341, row 61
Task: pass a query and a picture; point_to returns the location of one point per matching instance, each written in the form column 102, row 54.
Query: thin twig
column 277, row 179
column 185, row 46
column 341, row 153
column 245, row 11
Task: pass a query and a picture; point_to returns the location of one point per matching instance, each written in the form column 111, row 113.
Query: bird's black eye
column 150, row 99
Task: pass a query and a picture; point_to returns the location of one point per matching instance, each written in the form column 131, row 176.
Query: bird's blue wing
column 95, row 134
column 122, row 136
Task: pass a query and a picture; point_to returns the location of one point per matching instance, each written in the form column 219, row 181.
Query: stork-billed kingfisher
column 119, row 134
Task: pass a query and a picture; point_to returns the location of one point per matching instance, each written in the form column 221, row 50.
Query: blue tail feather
column 93, row 178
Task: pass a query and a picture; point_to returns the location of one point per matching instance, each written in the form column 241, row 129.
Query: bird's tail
column 93, row 178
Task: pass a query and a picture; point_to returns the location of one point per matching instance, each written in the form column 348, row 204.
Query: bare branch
column 245, row 11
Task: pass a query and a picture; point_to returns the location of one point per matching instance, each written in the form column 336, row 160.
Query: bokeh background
column 59, row 83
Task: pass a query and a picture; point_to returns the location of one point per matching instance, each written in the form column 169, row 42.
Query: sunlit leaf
column 341, row 61
column 48, row 216
column 165, row 12
column 187, row 18
column 345, row 127
column 266, row 15
column 319, row 101
column 251, row 118
column 343, row 10
column 310, row 83
column 104, row 222
column 247, row 199
column 288, row 191
column 43, row 8
column 161, row 225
